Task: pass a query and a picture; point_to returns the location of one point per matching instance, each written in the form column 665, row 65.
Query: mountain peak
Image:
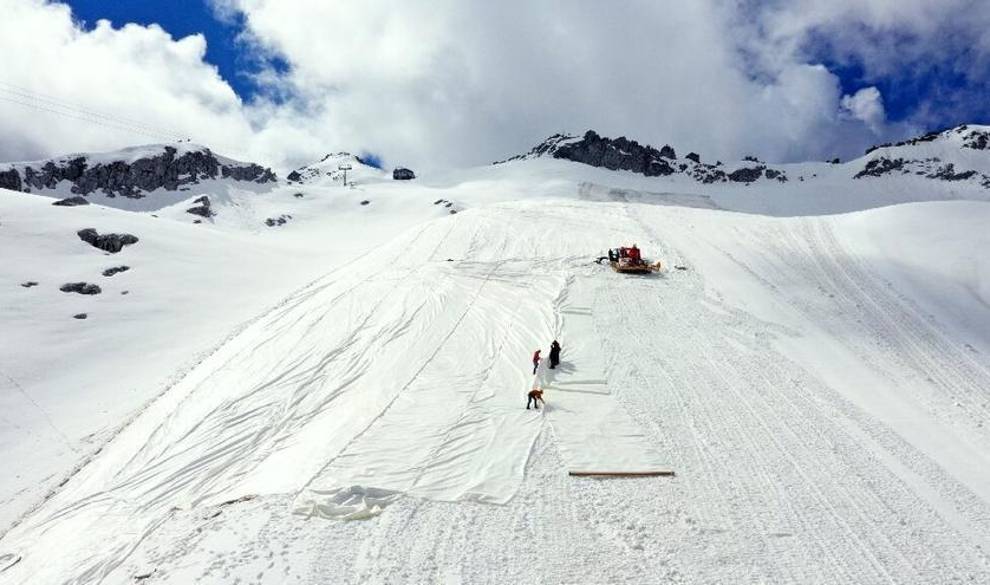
column 971, row 136
column 629, row 155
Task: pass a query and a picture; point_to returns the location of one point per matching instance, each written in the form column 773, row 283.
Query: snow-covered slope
column 330, row 169
column 817, row 382
column 953, row 164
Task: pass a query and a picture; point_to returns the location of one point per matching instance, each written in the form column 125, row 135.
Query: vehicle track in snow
column 769, row 446
column 888, row 333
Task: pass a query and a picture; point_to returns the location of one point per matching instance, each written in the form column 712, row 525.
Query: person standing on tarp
column 554, row 354
column 536, row 361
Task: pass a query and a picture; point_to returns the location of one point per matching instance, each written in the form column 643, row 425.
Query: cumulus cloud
column 462, row 82
column 65, row 89
column 866, row 105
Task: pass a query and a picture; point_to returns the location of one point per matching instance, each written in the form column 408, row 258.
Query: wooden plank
column 655, row 473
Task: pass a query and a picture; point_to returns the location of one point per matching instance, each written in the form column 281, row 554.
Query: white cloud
column 455, row 82
column 139, row 77
column 866, row 105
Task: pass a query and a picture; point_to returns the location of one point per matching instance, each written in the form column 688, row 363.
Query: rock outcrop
column 112, row 243
column 618, row 154
column 972, row 138
column 71, row 202
column 628, row 155
column 403, row 174
column 202, row 208
column 167, row 169
column 929, row 168
column 10, row 179
column 115, row 270
column 278, row 221
column 83, row 288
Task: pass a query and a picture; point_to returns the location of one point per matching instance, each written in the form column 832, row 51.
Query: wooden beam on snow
column 655, row 473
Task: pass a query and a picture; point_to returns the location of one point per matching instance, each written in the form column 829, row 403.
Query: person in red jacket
column 536, row 361
column 634, row 257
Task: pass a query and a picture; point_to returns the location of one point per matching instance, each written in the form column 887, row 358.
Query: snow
column 593, row 431
column 818, row 383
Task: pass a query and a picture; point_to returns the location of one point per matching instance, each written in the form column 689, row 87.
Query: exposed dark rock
column 618, row 154
column 297, row 195
column 294, row 176
column 10, row 179
column 931, row 136
column 977, row 139
column 277, row 221
column 746, row 174
column 115, row 270
column 71, row 201
column 624, row 154
column 251, row 172
column 167, row 170
column 29, row 284
column 948, row 173
column 365, row 202
column 881, row 166
column 80, row 316
column 453, row 211
column 403, row 174
column 438, row 201
column 974, row 139
column 751, row 158
column 112, row 243
column 83, row 288
column 203, row 209
column 835, row 161
column 774, row 174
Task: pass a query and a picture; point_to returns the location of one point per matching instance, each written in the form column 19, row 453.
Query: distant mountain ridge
column 924, row 156
column 628, row 155
column 130, row 173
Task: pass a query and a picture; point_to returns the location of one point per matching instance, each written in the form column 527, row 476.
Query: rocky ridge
column 971, row 138
column 628, row 155
column 885, row 161
column 165, row 168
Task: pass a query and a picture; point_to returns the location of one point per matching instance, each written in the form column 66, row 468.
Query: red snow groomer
column 630, row 261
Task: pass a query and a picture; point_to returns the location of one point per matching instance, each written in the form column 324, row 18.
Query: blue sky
column 905, row 89
column 476, row 81
column 182, row 18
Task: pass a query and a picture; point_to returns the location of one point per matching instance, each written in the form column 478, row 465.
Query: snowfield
column 820, row 385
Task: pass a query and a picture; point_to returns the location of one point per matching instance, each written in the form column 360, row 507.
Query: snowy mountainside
column 140, row 178
column 954, row 160
column 311, row 351
column 327, row 170
column 800, row 349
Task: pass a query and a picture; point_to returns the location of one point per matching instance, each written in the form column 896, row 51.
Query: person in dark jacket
column 536, row 361
column 535, row 397
column 554, row 354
